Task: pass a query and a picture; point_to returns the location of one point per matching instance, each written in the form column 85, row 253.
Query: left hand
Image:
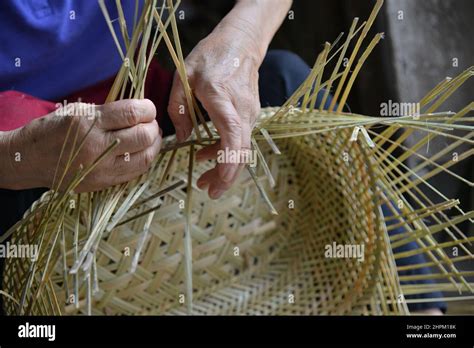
column 223, row 74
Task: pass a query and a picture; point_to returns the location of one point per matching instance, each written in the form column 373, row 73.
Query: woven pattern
column 244, row 259
column 157, row 245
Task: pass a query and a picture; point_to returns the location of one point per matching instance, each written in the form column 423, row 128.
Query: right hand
column 40, row 142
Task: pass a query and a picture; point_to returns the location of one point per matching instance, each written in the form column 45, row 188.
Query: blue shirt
column 52, row 48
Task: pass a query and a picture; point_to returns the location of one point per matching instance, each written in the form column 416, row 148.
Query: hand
column 39, row 144
column 223, row 73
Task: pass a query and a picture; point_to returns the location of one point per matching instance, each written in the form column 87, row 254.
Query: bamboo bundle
column 157, row 245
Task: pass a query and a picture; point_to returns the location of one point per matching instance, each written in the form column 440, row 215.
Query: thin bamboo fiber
column 158, row 245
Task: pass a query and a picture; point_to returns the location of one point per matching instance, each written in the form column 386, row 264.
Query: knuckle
column 233, row 126
column 147, row 159
column 206, row 86
column 131, row 112
column 144, row 136
column 214, row 88
column 150, row 106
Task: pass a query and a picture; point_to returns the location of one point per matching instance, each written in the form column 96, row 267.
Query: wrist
column 19, row 165
column 243, row 34
column 257, row 22
column 240, row 40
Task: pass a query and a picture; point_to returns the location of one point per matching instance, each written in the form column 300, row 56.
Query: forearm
column 258, row 20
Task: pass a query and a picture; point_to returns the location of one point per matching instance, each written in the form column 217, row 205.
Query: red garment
column 17, row 109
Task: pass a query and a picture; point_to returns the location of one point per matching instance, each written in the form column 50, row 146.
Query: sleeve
column 18, row 109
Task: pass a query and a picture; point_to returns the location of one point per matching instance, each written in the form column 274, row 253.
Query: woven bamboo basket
column 244, row 259
column 158, row 245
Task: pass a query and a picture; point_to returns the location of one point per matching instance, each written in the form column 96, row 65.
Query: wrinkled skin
column 40, row 142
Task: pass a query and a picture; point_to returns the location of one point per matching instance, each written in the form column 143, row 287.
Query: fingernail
column 200, row 184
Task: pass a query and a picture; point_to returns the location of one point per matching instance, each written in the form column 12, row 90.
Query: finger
column 246, row 131
column 211, row 180
column 246, row 146
column 204, row 180
column 178, row 110
column 246, row 135
column 248, row 115
column 126, row 113
column 137, row 163
column 136, row 138
column 227, row 122
column 209, row 152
